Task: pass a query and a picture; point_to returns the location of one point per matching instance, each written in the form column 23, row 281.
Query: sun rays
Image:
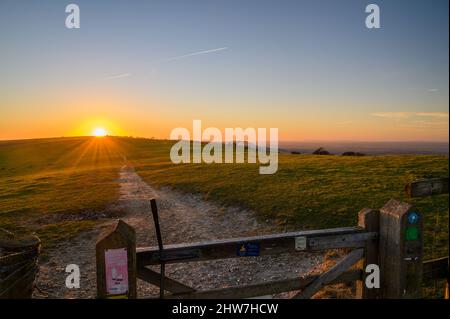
column 99, row 132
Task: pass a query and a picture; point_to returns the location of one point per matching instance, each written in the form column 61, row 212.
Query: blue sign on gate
column 413, row 217
column 248, row 249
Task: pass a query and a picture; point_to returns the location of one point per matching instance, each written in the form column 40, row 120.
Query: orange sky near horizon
column 409, row 127
column 314, row 74
column 120, row 114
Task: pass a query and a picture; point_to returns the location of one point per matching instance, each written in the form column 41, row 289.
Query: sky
column 309, row 68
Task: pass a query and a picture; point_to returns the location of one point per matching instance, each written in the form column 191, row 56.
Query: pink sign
column 116, row 266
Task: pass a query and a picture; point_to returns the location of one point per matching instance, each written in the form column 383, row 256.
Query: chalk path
column 183, row 218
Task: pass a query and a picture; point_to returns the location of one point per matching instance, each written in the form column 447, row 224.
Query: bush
column 353, row 154
column 321, row 151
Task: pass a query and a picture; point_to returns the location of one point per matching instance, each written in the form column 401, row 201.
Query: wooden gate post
column 401, row 250
column 116, row 262
column 369, row 219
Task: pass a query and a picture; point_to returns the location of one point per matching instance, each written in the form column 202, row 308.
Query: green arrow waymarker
column 412, row 233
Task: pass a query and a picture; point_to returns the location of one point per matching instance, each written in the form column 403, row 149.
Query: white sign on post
column 300, row 243
column 116, row 266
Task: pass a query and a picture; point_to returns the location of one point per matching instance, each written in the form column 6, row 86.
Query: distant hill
column 370, row 148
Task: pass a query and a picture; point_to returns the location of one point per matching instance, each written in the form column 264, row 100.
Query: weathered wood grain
column 120, row 235
column 332, row 274
column 427, row 187
column 263, row 289
column 400, row 259
column 369, row 219
column 268, row 245
column 20, row 244
column 150, row 276
column 8, row 288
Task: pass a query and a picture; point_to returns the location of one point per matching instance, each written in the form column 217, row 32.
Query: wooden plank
column 427, row 187
column 435, row 269
column 5, row 271
column 264, row 289
column 18, row 257
column 400, row 251
column 175, row 287
column 120, row 236
column 32, row 242
column 369, row 219
column 8, row 283
column 341, row 241
column 267, row 245
column 331, row 275
column 23, row 287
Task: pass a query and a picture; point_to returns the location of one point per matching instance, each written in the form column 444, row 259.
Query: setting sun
column 99, row 132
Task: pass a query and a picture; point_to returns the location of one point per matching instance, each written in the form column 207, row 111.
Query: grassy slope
column 60, row 176
column 42, row 178
column 307, row 191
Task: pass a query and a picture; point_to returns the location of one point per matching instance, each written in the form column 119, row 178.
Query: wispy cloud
column 193, row 54
column 432, row 114
column 431, row 90
column 403, row 115
column 117, row 76
column 392, row 115
column 434, row 125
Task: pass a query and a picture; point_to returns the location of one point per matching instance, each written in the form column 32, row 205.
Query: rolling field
column 58, row 187
column 50, row 185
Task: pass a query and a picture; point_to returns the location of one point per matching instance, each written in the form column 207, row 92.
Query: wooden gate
column 390, row 238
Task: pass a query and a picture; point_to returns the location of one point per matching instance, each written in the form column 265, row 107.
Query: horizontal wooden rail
column 154, row 278
column 331, row 274
column 32, row 242
column 264, row 289
column 427, row 187
column 274, row 244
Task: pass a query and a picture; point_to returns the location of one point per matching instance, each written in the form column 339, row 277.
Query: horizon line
column 279, row 141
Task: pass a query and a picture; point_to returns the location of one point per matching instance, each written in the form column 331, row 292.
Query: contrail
column 178, row 57
column 193, row 54
column 118, row 76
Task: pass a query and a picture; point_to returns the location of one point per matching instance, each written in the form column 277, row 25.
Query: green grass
column 75, row 175
column 313, row 191
column 41, row 179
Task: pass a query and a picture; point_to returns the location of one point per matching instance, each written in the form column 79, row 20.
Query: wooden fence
column 391, row 238
column 437, row 268
column 18, row 266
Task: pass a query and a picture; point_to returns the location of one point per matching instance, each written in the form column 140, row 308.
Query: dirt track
column 184, row 218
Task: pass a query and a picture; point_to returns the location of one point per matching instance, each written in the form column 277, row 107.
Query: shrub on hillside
column 321, row 151
column 353, row 154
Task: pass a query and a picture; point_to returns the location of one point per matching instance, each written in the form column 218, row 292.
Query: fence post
column 116, row 262
column 369, row 219
column 401, row 250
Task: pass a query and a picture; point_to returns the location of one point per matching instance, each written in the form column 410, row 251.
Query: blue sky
column 311, row 68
